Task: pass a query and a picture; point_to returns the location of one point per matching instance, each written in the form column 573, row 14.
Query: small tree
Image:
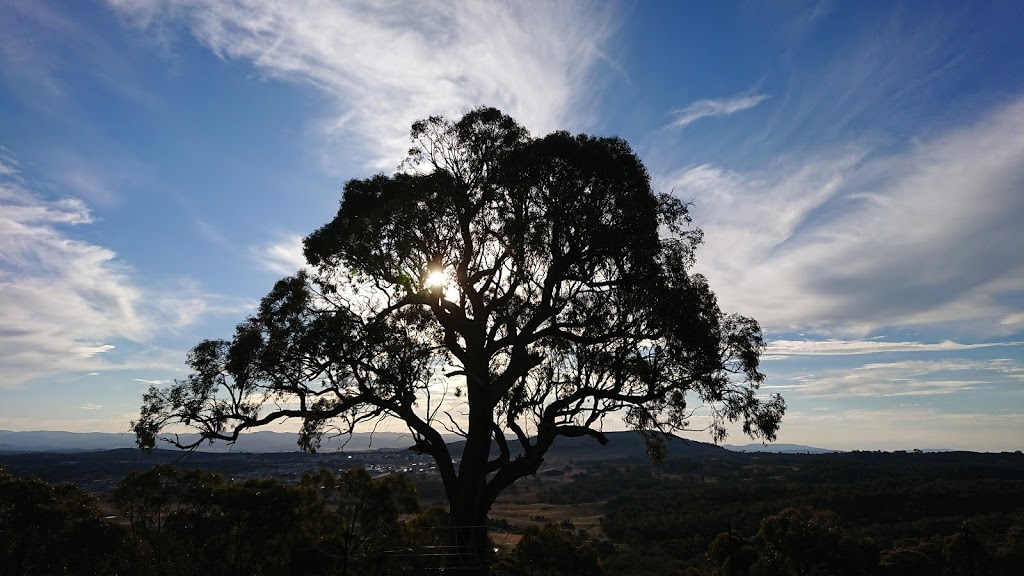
column 505, row 288
column 354, row 516
column 554, row 549
column 802, row 541
column 57, row 529
column 147, row 498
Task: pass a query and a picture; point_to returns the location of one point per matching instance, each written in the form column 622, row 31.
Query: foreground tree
column 505, row 288
column 57, row 529
column 554, row 549
column 353, row 517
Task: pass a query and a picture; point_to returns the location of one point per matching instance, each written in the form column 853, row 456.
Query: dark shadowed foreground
column 701, row 512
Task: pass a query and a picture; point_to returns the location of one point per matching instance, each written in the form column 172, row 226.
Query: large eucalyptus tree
column 506, row 288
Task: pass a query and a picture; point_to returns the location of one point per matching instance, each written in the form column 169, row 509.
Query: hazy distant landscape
column 259, row 441
column 264, row 441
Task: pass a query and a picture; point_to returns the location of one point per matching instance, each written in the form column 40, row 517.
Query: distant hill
column 780, row 449
column 254, row 442
column 626, row 444
column 51, row 441
column 621, row 445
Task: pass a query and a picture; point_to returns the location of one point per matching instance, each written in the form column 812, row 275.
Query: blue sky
column 857, row 167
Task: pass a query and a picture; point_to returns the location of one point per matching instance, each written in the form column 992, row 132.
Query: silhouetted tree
column 804, row 541
column 964, row 555
column 501, row 287
column 146, row 499
column 1010, row 554
column 197, row 523
column 57, row 529
column 908, row 560
column 353, row 516
column 554, row 549
column 732, row 554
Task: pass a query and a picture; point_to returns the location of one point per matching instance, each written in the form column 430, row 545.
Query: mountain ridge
column 263, row 441
column 780, row 448
column 622, row 444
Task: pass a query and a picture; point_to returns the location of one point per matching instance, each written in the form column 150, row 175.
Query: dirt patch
column 585, row 516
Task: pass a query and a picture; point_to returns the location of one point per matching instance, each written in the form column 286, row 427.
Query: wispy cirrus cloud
column 854, row 240
column 384, row 65
column 8, row 165
column 712, row 108
column 902, row 378
column 63, row 300
column 282, row 256
column 68, row 304
column 1015, row 320
column 858, row 347
column 906, row 427
column 184, row 302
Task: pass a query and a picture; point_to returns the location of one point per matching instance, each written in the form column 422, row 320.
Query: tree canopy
column 507, row 288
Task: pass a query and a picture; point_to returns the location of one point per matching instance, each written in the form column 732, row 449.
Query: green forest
column 854, row 513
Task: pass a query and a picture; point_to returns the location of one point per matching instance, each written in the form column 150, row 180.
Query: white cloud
column 183, row 303
column 904, row 427
column 902, row 378
column 114, row 422
column 857, row 347
column 1014, row 320
column 91, row 351
column 852, row 241
column 62, row 300
column 151, row 382
column 67, row 304
column 387, row 64
column 282, row 256
column 8, row 164
column 712, row 108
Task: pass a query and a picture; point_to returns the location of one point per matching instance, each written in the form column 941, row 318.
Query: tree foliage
column 196, row 523
column 353, row 516
column 554, row 549
column 853, row 513
column 147, row 498
column 570, row 297
column 56, row 529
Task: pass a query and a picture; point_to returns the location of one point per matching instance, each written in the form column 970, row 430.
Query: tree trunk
column 470, row 506
column 468, row 538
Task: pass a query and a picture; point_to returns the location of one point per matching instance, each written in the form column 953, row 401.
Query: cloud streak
column 905, row 378
column 714, row 108
column 386, row 64
column 904, row 427
column 902, row 378
column 282, row 256
column 855, row 240
column 68, row 305
column 859, row 347
column 63, row 300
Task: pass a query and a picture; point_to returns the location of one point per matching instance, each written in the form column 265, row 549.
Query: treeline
column 738, row 515
column 858, row 513
column 169, row 522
